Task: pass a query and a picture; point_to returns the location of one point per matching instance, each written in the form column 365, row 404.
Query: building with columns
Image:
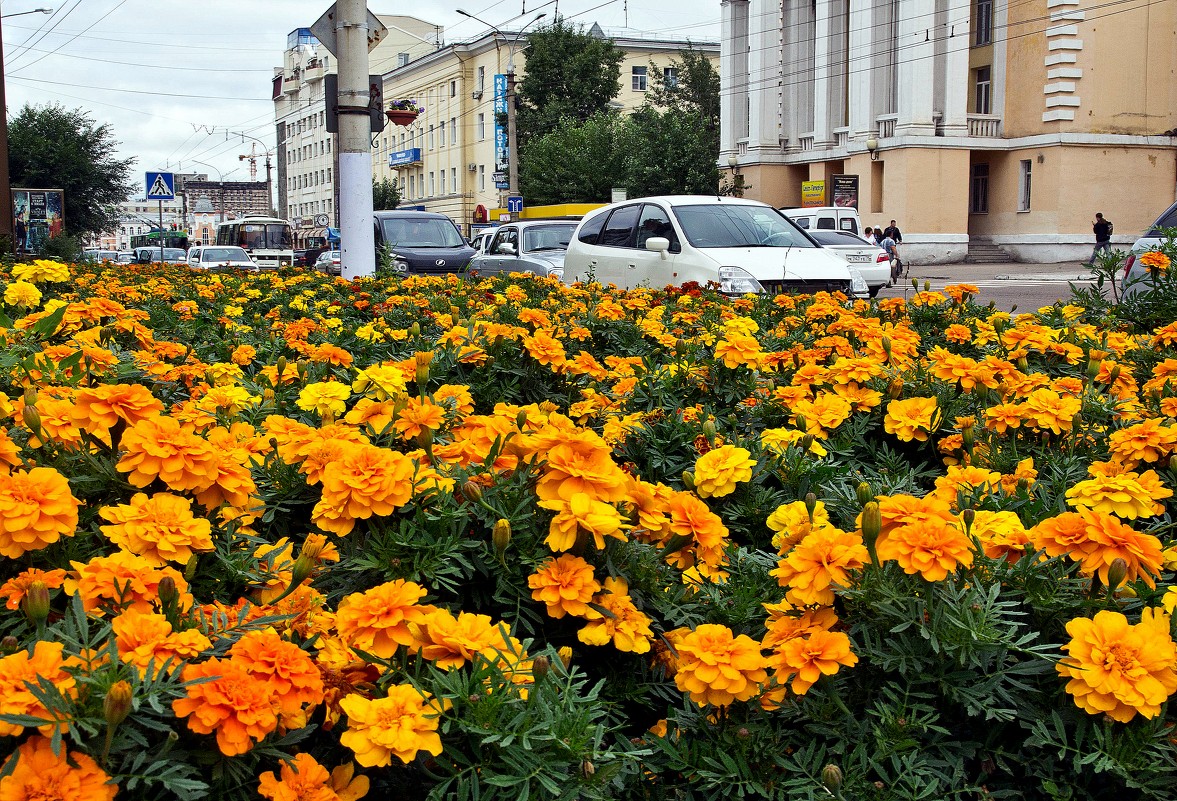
column 1003, row 123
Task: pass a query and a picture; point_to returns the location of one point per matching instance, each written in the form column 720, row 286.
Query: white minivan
column 741, row 245
column 826, row 218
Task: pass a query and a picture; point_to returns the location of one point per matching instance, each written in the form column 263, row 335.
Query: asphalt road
column 1026, row 286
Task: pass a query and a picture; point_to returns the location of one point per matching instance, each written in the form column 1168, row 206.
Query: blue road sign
column 161, row 186
column 515, row 204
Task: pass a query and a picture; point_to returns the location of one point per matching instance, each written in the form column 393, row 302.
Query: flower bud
column 810, row 504
column 927, row 285
column 1114, row 375
column 565, row 653
column 680, row 347
column 1092, row 369
column 32, row 419
column 688, row 479
column 709, row 430
column 872, row 526
column 472, row 491
column 280, row 367
column 1023, row 364
column 425, row 439
column 422, row 360
column 968, row 438
column 190, row 567
column 167, row 591
column 802, row 423
column 117, row 704
column 587, row 769
column 521, row 420
column 501, row 536
column 887, row 347
column 9, row 645
column 895, row 388
column 831, row 777
column 1117, row 572
column 540, row 666
column 415, row 330
column 806, row 443
column 268, row 395
column 864, row 493
column 35, row 604
column 968, row 516
column 30, row 396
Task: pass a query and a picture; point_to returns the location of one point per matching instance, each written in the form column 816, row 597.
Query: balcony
column 984, row 125
column 887, row 125
column 841, row 137
column 290, row 83
column 315, row 70
column 805, row 142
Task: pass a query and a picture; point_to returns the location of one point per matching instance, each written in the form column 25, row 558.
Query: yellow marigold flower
column 933, row 548
column 377, row 621
column 232, row 400
column 1119, row 669
column 818, row 563
column 36, row 510
column 625, row 626
column 365, row 481
column 122, row 580
column 967, row 479
column 566, row 584
column 910, row 419
column 1047, row 410
column 1148, row 441
column 41, row 271
column 717, row 472
column 1127, row 495
column 158, row 447
column 791, row 523
column 17, row 669
column 1106, row 539
column 231, row 702
column 328, row 399
column 42, row 774
column 417, row 416
column 806, row 659
column 380, row 381
column 823, row 414
column 581, row 514
column 778, row 440
column 99, row 409
column 715, row 667
column 451, row 641
column 1002, row 535
column 22, row 293
column 737, row 349
column 161, row 528
column 399, row 725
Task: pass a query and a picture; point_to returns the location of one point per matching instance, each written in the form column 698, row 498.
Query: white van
column 826, row 218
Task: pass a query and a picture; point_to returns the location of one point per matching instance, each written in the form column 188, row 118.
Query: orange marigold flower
column 1127, row 494
column 715, row 667
column 708, row 536
column 417, row 416
column 717, row 472
column 19, row 669
column 1001, row 417
column 806, row 659
column 625, row 626
column 546, row 350
column 42, row 775
column 377, row 621
column 1107, row 539
column 13, row 590
column 818, row 563
column 122, row 581
column 566, row 584
column 1047, row 410
column 581, row 515
column 450, row 642
column 160, row 528
column 36, row 510
column 399, row 725
column 933, row 548
column 99, row 409
column 1147, row 441
column 579, row 461
column 1117, row 668
column 1155, row 260
column 142, row 637
column 1001, row 534
column 366, row 481
column 910, row 419
column 158, row 447
column 304, row 780
column 233, row 703
column 292, row 679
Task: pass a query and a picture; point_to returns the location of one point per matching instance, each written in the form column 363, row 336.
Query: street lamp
column 269, row 167
column 512, row 138
column 22, row 13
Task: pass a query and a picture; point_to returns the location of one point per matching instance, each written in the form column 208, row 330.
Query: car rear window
column 1167, row 220
column 590, row 229
column 619, row 230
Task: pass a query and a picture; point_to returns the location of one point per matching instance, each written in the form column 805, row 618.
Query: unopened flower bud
column 864, row 493
column 35, row 604
column 810, row 504
column 968, row 516
column 967, row 438
column 167, row 591
column 895, row 388
column 802, row 423
column 887, row 347
column 680, row 346
column 472, row 491
column 806, row 443
column 415, row 330
column 268, row 395
column 32, row 419
column 872, row 526
column 117, row 704
column 831, row 777
column 501, row 536
column 587, row 769
column 1023, row 364
column 540, row 666
column 280, row 367
column 425, row 438
column 9, row 645
column 521, row 420
column 709, row 430
column 190, row 567
column 565, row 653
column 688, row 479
column 30, row 396
column 422, row 360
column 1117, row 572
column 927, row 285
column 1114, row 375
column 1092, row 369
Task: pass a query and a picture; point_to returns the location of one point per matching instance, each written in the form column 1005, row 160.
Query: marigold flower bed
column 291, row 537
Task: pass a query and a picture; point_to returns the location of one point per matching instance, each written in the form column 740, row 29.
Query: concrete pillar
column 764, row 68
column 732, row 48
column 796, row 74
column 823, row 135
column 956, row 70
column 861, row 122
column 916, row 68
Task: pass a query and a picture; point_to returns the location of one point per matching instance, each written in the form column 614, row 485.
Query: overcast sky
column 172, row 78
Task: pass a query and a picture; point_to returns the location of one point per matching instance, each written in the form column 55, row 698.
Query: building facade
column 1002, row 122
column 306, row 157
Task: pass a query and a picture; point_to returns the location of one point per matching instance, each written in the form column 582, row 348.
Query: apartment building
column 306, row 158
column 1004, row 122
column 447, row 160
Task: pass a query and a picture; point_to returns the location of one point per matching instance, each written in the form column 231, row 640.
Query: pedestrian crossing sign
column 161, row 186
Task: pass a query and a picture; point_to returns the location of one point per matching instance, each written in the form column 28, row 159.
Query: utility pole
column 355, row 159
column 6, row 211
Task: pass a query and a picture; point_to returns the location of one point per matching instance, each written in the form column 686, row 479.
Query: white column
column 916, row 68
column 796, row 75
column 733, row 16
column 355, row 145
column 956, row 70
column 823, row 135
column 764, row 65
column 862, row 122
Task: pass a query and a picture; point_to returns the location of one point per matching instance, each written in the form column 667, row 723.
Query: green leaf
column 47, row 325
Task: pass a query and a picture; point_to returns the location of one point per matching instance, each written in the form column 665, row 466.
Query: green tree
column 52, row 147
column 694, row 87
column 570, row 75
column 386, row 194
column 578, row 161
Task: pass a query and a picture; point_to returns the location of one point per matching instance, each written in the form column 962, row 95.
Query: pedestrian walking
column 1103, row 237
column 888, row 244
column 893, row 233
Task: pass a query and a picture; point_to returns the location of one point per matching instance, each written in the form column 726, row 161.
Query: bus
column 151, row 239
column 268, row 240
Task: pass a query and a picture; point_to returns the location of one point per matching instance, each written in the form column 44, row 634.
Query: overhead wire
column 41, row 58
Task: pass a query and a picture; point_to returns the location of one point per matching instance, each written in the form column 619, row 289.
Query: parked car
column 98, row 255
column 422, row 242
column 149, row 255
column 126, row 257
column 826, row 218
column 482, row 238
column 742, row 245
column 528, row 246
column 330, row 262
column 870, row 260
column 220, row 258
column 1136, row 276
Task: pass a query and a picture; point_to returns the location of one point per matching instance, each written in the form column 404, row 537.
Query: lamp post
column 512, row 139
column 269, row 165
column 737, row 178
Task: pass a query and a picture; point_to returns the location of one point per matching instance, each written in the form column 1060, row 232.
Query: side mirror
column 658, row 244
column 507, row 249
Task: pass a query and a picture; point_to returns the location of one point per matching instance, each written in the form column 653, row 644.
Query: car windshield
column 725, row 225
column 269, row 236
column 224, row 254
column 421, row 233
column 547, row 237
column 1167, row 220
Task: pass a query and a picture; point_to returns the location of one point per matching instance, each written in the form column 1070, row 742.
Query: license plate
column 856, row 259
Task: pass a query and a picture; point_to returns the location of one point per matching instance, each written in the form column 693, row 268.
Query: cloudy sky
column 180, row 82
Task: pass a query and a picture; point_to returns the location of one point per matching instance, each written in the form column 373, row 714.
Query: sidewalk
column 961, row 272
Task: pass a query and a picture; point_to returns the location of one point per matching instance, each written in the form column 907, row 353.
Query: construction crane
column 251, row 156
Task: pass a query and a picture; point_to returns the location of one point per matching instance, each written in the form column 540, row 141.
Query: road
column 1027, row 286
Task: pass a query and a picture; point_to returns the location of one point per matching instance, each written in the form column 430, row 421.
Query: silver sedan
column 527, row 246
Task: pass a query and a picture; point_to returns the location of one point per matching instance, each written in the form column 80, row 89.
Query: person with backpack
column 893, row 233
column 1103, row 237
column 888, row 244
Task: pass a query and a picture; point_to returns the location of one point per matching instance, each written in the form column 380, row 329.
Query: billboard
column 502, row 151
column 813, row 193
column 37, row 214
column 845, row 191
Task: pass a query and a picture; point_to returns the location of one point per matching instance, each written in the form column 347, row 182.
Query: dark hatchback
column 422, row 242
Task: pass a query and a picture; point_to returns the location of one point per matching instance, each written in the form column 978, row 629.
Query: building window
column 984, row 94
column 670, row 77
column 402, row 59
column 979, row 194
column 412, row 186
column 454, row 178
column 481, row 177
column 639, row 79
column 441, row 134
column 431, row 137
column 453, row 130
column 442, row 174
column 453, row 88
column 984, row 29
column 1024, row 186
column 481, row 128
column 481, row 83
column 432, row 186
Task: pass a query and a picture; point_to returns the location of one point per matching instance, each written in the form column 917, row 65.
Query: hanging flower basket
column 402, row 112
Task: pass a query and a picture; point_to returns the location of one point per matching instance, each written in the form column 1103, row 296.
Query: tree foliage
column 386, row 194
column 52, row 147
column 578, row 161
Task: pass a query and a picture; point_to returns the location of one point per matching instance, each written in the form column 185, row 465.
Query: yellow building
column 1004, row 123
column 445, row 161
